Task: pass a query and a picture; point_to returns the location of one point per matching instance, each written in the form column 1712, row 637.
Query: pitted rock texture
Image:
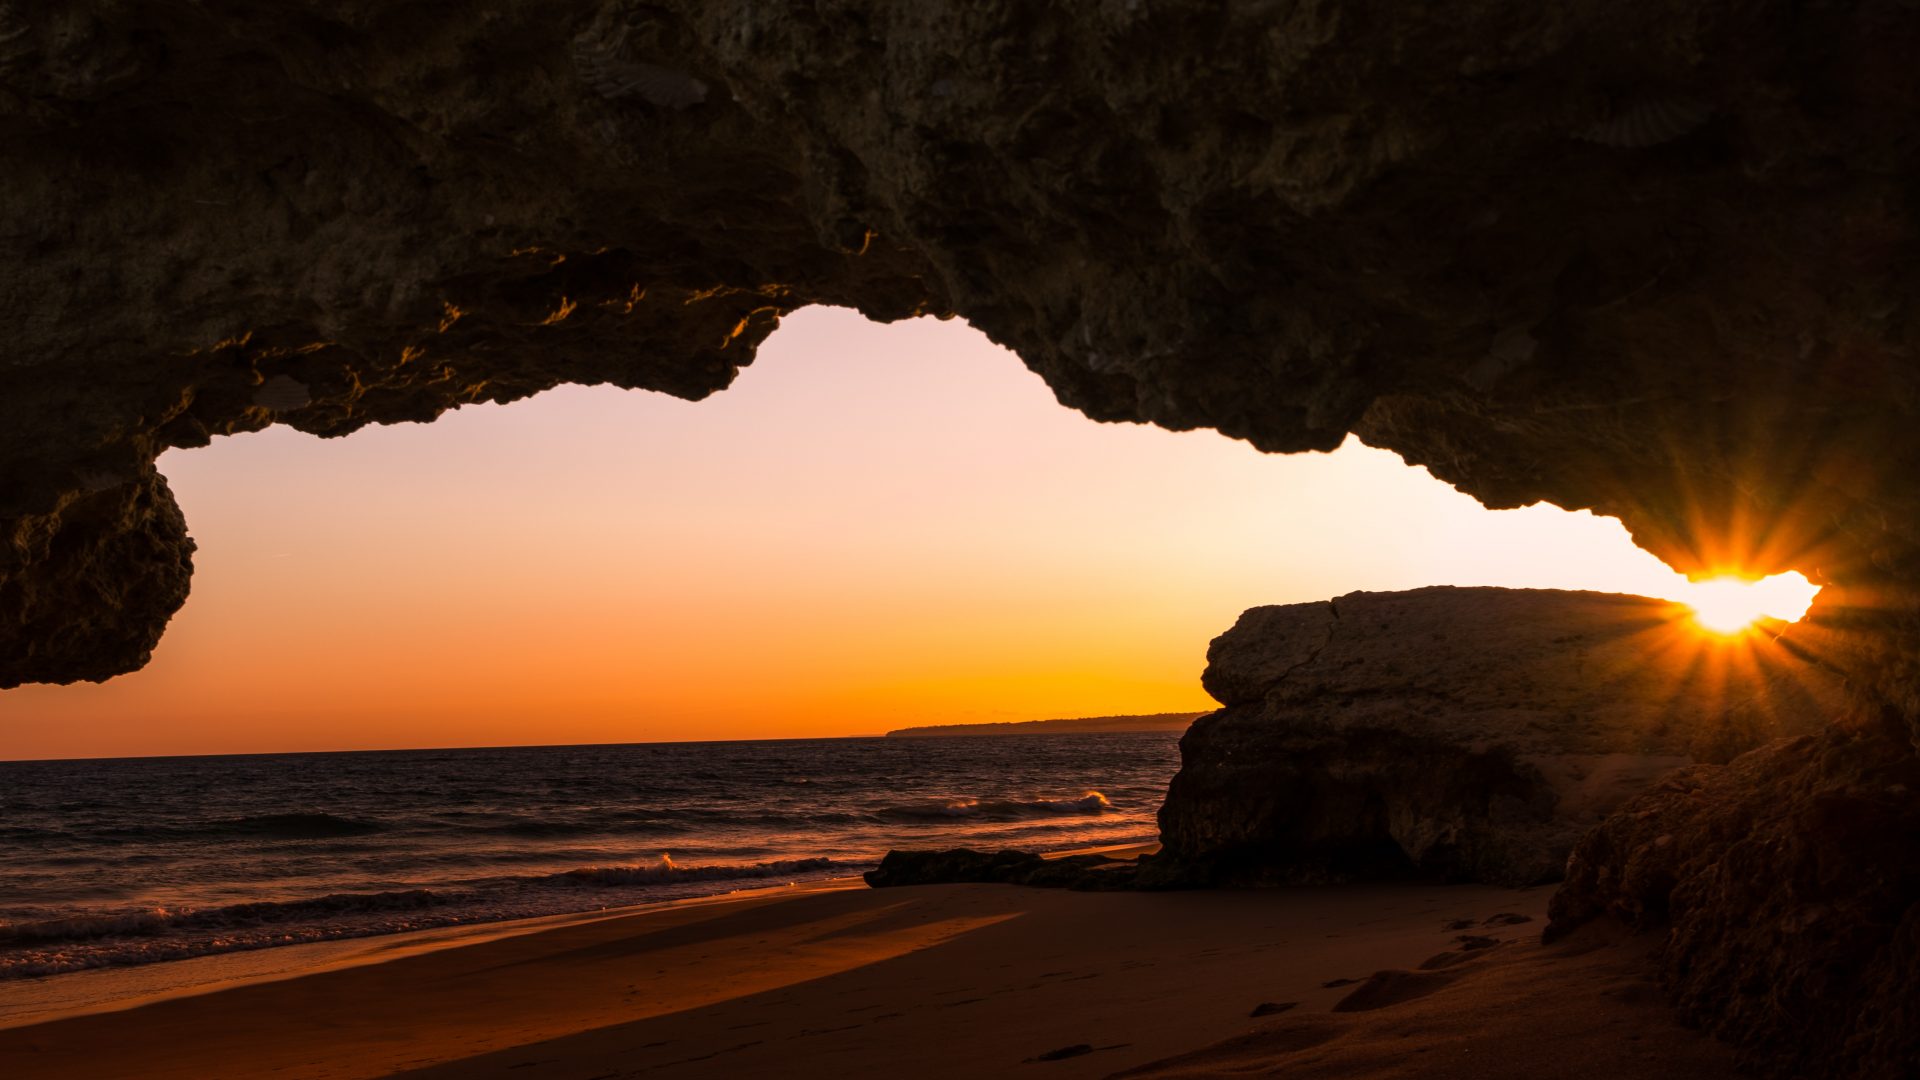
column 1649, row 258
column 1471, row 734
column 1786, row 887
column 111, row 566
column 225, row 215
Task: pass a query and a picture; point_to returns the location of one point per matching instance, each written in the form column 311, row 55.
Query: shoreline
column 943, row 980
column 164, row 980
column 44, row 999
column 372, row 844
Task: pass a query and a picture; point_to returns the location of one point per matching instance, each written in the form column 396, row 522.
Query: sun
column 1729, row 605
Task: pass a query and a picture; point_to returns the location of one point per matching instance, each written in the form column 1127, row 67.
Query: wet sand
column 942, row 981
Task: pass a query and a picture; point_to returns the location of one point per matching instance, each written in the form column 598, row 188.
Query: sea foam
column 113, row 862
column 1090, row 802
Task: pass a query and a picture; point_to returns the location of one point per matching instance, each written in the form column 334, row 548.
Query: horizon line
column 553, row 746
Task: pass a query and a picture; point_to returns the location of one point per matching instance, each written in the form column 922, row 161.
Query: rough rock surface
column 1652, row 258
column 1649, row 258
column 1787, row 886
column 1473, row 734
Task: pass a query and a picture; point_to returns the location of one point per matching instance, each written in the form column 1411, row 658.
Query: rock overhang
column 1653, row 260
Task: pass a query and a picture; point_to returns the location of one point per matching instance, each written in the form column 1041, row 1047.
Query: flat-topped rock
column 1467, row 733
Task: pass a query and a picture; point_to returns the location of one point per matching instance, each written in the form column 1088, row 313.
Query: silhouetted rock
column 1652, row 259
column 1647, row 258
column 964, row 865
column 1470, row 734
column 1788, row 888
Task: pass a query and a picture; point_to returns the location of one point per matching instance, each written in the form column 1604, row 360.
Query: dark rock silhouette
column 1652, row 259
column 1785, row 884
column 1645, row 258
column 964, row 865
column 1470, row 734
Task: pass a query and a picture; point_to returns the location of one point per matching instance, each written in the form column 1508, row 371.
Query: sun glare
column 1728, row 605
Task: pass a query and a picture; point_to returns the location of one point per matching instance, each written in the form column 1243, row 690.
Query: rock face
column 1785, row 884
column 1648, row 258
column 1652, row 258
column 1472, row 734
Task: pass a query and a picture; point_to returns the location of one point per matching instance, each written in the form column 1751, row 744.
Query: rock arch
column 1654, row 259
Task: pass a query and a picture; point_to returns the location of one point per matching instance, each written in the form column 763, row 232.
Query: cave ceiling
column 1653, row 259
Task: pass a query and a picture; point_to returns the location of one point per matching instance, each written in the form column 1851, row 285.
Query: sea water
column 127, row 861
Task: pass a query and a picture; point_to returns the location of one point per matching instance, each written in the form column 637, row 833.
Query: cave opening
column 880, row 524
column 1653, row 260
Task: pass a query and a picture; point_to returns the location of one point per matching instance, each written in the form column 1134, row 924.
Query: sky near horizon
column 876, row 527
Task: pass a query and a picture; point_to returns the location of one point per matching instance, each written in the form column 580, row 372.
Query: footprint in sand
column 1074, row 1051
column 1386, row 988
column 1469, row 944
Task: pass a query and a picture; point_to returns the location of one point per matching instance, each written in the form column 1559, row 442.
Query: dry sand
column 942, row 981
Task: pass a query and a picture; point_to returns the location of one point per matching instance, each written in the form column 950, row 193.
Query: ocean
column 131, row 861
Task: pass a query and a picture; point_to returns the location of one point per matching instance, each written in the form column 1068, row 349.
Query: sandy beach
column 835, row 979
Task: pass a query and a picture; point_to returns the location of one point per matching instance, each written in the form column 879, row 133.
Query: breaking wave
column 250, row 915
column 1090, row 802
column 135, row 861
column 234, row 916
column 667, row 870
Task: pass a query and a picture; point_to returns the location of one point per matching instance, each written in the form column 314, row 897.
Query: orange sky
column 877, row 526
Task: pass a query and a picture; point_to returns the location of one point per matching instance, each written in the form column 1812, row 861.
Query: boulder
column 1461, row 733
column 1785, row 886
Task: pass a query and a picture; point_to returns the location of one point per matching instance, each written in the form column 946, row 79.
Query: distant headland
column 1074, row 725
